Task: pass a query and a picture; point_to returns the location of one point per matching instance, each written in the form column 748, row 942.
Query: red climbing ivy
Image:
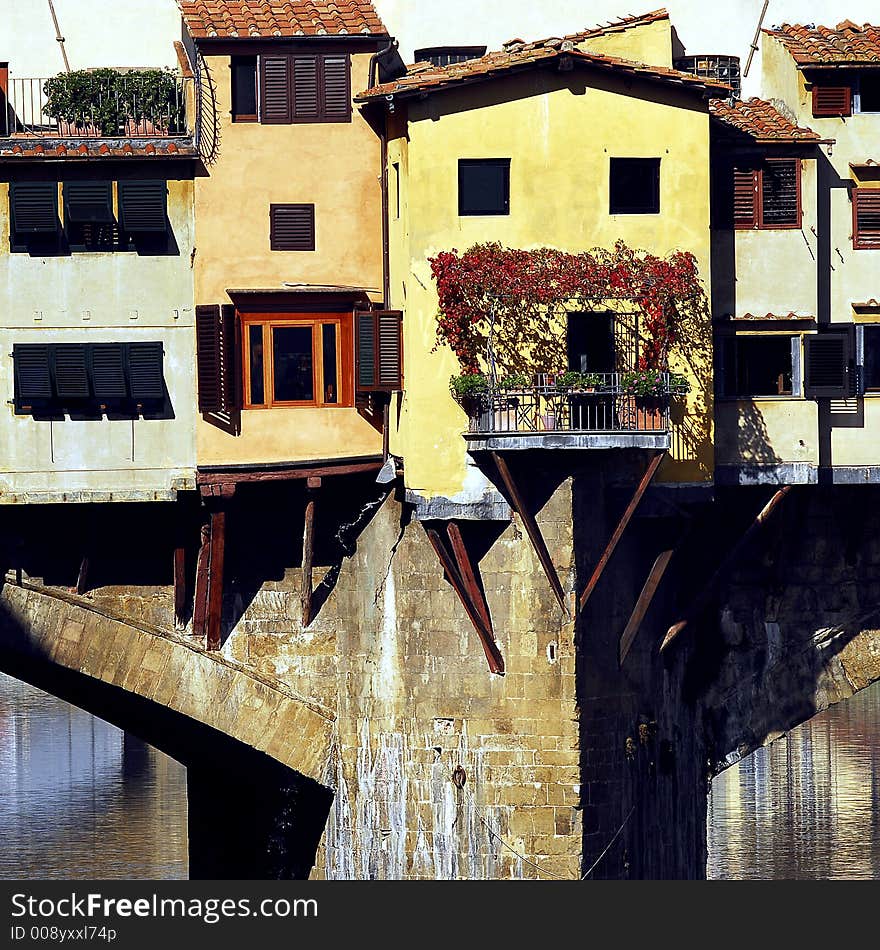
column 523, row 287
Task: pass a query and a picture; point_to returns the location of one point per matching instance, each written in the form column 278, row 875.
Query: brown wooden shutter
column 745, row 197
column 306, row 89
column 218, row 364
column 336, row 89
column 276, row 90
column 380, row 351
column 832, row 101
column 292, row 227
column 827, row 358
column 866, row 218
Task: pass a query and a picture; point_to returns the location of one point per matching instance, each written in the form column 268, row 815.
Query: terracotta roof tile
column 24, row 148
column 425, row 77
column 846, row 44
column 761, row 120
column 620, row 25
column 243, row 19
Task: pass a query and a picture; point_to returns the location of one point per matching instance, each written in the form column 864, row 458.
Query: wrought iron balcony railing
column 115, row 107
column 544, row 407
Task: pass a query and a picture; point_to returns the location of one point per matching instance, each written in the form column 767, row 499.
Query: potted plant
column 650, row 391
column 469, row 391
column 587, row 411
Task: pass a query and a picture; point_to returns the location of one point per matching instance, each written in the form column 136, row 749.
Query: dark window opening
column 446, row 55
column 758, row 366
column 88, row 202
column 293, row 364
column 395, row 172
column 483, row 186
column 768, row 196
column 871, row 368
column 255, row 344
column 244, row 88
column 869, row 92
column 866, row 218
column 635, row 186
column 331, row 382
column 590, row 343
column 292, row 227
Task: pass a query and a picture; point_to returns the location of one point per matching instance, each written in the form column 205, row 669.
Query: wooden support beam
column 705, row 595
column 643, row 604
column 625, row 519
column 200, row 598
column 532, row 530
column 487, row 639
column 180, row 586
column 82, row 578
column 469, row 575
column 223, row 484
column 308, row 554
column 215, row 578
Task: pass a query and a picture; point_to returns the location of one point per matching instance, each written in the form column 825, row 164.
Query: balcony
column 99, row 104
column 607, row 414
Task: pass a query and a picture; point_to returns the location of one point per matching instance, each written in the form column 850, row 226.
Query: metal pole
column 58, row 36
column 754, row 47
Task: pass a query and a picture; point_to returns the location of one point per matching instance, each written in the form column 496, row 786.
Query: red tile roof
column 620, row 25
column 27, row 148
column 761, row 120
column 243, row 19
column 846, row 44
column 425, row 77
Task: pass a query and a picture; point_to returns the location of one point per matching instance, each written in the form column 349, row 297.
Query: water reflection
column 806, row 807
column 81, row 799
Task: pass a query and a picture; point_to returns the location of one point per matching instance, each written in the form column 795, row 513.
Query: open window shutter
column 306, row 89
column 33, row 379
column 827, row 366
column 146, row 379
column 337, row 92
column 71, row 372
column 143, row 206
column 34, row 207
column 380, row 351
column 745, row 197
column 866, row 217
column 108, row 371
column 832, row 101
column 210, row 383
column 231, row 370
column 88, row 202
column 275, row 86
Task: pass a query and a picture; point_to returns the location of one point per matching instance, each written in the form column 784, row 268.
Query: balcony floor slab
column 523, row 442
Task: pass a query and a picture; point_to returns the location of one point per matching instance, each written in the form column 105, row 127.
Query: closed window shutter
column 745, row 198
column 337, row 94
column 292, row 227
column 33, row 379
column 145, row 371
column 780, row 193
column 276, row 90
column 832, row 101
column 866, row 215
column 306, row 89
column 380, row 351
column 827, row 366
column 71, row 373
column 108, row 371
column 34, row 207
column 143, row 206
column 88, row 202
column 218, row 367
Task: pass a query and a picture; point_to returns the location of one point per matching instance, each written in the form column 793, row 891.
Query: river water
column 80, row 799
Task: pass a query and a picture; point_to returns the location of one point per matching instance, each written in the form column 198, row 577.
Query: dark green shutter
column 380, row 351
column 33, row 378
column 143, row 206
column 71, row 372
column 146, row 379
column 108, row 371
column 34, row 207
column 88, row 202
column 827, row 359
column 366, row 351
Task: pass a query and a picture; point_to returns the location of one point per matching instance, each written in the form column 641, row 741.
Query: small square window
column 635, row 186
column 292, row 227
column 483, row 186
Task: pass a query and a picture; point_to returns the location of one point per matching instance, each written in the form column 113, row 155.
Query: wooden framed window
column 832, row 101
column 768, row 196
column 760, row 365
column 483, row 186
column 866, row 218
column 244, row 88
column 301, row 359
column 292, row 227
column 634, row 186
column 301, row 88
column 870, row 358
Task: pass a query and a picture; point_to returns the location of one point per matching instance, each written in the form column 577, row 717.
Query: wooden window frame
column 860, row 243
column 344, row 358
column 757, row 223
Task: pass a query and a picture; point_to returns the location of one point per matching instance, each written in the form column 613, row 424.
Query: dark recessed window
column 446, row 55
column 483, row 186
column 635, row 186
column 244, row 88
column 758, row 366
column 292, row 227
column 869, row 93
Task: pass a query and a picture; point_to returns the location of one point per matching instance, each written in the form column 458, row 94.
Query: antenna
column 58, row 35
column 754, row 47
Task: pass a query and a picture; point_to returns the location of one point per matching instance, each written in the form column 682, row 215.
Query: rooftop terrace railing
column 144, row 104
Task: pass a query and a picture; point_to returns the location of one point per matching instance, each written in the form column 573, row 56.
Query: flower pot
column 549, row 421
column 649, row 418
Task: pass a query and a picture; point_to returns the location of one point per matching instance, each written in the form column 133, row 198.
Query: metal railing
column 117, row 108
column 544, row 407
